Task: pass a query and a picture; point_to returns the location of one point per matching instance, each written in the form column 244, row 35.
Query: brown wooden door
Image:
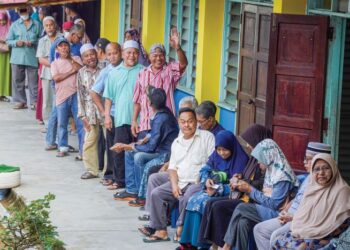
column 297, row 66
column 254, row 52
column 136, row 15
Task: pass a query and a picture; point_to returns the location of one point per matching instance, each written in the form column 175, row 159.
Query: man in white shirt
column 189, row 152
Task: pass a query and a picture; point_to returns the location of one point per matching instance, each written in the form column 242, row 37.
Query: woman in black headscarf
column 218, row 211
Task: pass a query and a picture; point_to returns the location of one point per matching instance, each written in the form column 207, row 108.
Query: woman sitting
column 218, row 210
column 279, row 183
column 324, row 211
column 228, row 159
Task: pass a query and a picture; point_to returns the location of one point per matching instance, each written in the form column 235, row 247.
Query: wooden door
column 296, row 76
column 136, row 15
column 254, row 52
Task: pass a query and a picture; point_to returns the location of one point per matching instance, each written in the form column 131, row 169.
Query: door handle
column 251, row 101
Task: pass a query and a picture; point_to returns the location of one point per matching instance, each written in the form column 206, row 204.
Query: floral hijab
column 278, row 169
column 4, row 29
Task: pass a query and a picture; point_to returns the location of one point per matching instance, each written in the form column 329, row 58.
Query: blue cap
column 60, row 40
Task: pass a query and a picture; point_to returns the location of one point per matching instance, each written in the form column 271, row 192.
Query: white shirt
column 189, row 155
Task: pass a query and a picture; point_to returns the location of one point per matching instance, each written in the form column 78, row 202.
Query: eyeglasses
column 307, row 159
column 321, row 169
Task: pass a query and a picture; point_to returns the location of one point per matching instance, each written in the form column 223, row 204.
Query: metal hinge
column 331, row 33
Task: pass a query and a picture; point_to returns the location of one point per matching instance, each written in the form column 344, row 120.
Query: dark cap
column 157, row 97
column 102, row 43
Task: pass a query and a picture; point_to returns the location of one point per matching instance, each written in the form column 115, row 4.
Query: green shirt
column 19, row 32
column 119, row 88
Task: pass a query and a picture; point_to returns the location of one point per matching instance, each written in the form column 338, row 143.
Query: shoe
column 78, row 158
column 137, row 203
column 88, row 175
column 51, row 147
column 124, row 196
column 20, row 106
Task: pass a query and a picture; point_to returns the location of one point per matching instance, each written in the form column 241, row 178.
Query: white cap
column 130, row 44
column 47, row 18
column 86, row 47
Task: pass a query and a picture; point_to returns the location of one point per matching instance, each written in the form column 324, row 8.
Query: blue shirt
column 100, row 83
column 267, row 207
column 164, row 130
column 74, row 50
column 19, row 32
column 296, row 201
column 119, row 89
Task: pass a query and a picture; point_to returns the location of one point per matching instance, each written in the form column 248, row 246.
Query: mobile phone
column 215, row 186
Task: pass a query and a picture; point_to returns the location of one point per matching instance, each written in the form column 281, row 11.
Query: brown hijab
column 323, row 208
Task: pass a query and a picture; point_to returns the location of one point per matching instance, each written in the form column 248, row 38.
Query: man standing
column 43, row 54
column 87, row 111
column 23, row 38
column 159, row 75
column 114, row 55
column 119, row 90
column 64, row 71
column 189, row 152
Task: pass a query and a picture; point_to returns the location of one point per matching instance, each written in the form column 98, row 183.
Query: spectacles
column 321, row 169
column 307, row 159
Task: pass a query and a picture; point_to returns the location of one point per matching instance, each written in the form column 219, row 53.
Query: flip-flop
column 72, row 149
column 154, row 239
column 146, row 231
column 176, row 238
column 144, row 217
column 51, row 147
column 20, row 106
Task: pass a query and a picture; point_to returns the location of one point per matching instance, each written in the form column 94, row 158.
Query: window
column 329, row 7
column 184, row 15
column 229, row 68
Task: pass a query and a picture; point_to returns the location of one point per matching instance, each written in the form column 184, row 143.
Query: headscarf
column 278, row 168
column 253, row 135
column 4, row 29
column 135, row 35
column 323, row 208
column 238, row 159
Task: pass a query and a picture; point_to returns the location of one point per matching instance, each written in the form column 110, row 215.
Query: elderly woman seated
column 324, row 211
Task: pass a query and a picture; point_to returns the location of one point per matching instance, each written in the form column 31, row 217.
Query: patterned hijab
column 238, row 159
column 278, row 169
column 253, row 135
column 323, row 208
column 4, row 29
column 135, row 35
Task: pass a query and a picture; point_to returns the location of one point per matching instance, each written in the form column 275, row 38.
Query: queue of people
column 230, row 191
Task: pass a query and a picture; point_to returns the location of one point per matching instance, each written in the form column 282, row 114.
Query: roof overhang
column 12, row 4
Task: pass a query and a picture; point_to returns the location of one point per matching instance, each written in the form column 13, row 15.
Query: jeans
column 134, row 164
column 146, row 169
column 51, row 133
column 63, row 111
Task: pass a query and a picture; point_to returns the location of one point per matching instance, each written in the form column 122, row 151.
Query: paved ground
column 86, row 215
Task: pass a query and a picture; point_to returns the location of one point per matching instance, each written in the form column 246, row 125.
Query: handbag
column 4, row 48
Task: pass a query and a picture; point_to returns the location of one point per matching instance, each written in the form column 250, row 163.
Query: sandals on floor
column 107, row 182
column 155, row 238
column 20, row 106
column 72, row 149
column 51, row 147
column 78, row 158
column 61, row 154
column 146, row 231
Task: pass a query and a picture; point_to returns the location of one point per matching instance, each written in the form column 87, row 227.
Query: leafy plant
column 30, row 226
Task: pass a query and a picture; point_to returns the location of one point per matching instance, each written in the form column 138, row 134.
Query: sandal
column 155, row 238
column 78, row 158
column 51, row 147
column 72, row 149
column 113, row 186
column 144, row 217
column 107, row 182
column 62, row 154
column 146, row 231
column 20, row 106
column 137, row 203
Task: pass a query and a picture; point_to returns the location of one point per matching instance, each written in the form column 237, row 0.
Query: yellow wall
column 109, row 19
column 290, row 6
column 153, row 24
column 210, row 28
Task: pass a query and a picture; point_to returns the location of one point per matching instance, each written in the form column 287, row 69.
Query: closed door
column 295, row 96
column 254, row 51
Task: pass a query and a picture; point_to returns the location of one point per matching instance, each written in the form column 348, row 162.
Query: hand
column 234, row 181
column 118, row 147
column 108, row 122
column 28, row 43
column 209, row 183
column 129, row 147
column 244, row 186
column 174, row 38
column 165, row 167
column 143, row 141
column 19, row 43
column 86, row 123
column 176, row 191
column 210, row 191
column 134, row 128
column 76, row 66
column 284, row 217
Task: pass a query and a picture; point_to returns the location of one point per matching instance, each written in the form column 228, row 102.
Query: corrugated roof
column 11, row 4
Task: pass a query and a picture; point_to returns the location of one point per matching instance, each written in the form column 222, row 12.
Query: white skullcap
column 131, row 44
column 86, row 47
column 47, row 18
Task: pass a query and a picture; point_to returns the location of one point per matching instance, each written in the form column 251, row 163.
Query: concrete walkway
column 86, row 215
